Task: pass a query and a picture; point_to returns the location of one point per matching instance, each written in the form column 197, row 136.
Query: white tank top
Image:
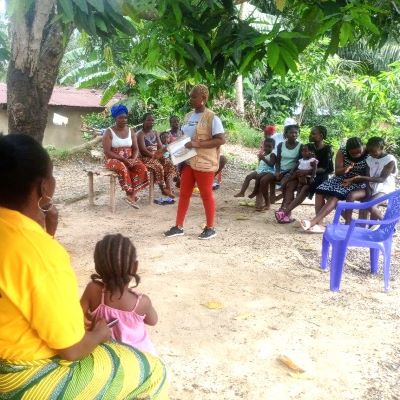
column 376, row 166
column 118, row 142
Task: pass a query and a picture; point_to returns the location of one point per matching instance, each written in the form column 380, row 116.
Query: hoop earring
column 48, row 205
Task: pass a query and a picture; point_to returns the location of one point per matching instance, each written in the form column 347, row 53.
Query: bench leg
column 112, row 193
column 151, row 188
column 272, row 194
column 91, row 189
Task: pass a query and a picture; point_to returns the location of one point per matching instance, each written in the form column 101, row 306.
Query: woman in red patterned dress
column 121, row 151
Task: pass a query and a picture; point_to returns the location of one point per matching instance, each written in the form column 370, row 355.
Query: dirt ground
column 276, row 301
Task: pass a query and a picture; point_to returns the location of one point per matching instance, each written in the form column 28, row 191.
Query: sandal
column 131, row 203
column 286, row 219
column 316, row 229
column 305, row 224
column 279, row 214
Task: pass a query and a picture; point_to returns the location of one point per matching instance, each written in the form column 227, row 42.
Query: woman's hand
column 88, row 321
column 349, row 168
column 129, row 162
column 299, row 173
column 158, row 154
column 101, row 331
column 348, row 182
column 193, row 144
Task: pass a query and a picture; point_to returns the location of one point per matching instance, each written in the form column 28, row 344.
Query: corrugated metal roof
column 70, row 97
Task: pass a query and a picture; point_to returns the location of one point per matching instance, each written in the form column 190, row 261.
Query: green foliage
column 97, row 120
column 100, row 18
column 240, row 133
column 54, row 153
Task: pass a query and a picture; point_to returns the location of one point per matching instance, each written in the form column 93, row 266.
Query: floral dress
column 334, row 186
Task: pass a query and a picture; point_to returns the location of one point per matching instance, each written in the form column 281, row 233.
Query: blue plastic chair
column 340, row 237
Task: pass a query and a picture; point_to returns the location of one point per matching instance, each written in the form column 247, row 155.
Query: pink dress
column 130, row 328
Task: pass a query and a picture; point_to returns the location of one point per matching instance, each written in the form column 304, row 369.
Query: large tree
column 40, row 30
column 205, row 37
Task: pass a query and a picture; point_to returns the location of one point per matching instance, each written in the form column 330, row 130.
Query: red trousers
column 204, row 180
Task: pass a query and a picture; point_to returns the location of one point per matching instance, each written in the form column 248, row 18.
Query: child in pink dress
column 109, row 297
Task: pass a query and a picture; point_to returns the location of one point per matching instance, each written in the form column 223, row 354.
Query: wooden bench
column 113, row 185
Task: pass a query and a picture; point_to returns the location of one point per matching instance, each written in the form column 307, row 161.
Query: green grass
column 240, row 133
column 61, row 154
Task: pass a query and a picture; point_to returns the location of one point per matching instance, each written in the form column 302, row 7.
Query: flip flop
column 279, row 215
column 286, row 220
column 133, row 205
column 305, row 224
column 316, row 229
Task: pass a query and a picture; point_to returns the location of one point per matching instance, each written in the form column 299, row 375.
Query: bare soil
column 275, row 299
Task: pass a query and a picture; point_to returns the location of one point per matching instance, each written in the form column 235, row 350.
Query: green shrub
column 239, row 132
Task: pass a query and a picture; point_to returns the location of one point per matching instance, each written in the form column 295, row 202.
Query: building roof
column 70, row 97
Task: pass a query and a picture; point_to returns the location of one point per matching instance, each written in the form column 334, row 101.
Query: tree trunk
column 239, row 80
column 239, row 95
column 37, row 47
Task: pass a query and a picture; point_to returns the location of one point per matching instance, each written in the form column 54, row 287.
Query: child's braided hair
column 114, row 260
column 203, row 89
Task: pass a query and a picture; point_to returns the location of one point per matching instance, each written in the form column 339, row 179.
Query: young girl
column 302, row 176
column 109, row 297
column 266, row 164
column 381, row 175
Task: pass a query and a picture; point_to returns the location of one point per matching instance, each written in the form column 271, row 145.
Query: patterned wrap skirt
column 113, row 371
column 133, row 178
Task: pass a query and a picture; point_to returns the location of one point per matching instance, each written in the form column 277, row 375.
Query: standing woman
column 121, row 151
column 152, row 155
column 207, row 136
column 45, row 351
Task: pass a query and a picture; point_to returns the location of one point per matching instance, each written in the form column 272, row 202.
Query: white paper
column 179, row 152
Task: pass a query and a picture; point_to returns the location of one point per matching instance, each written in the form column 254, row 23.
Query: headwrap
column 270, row 130
column 118, row 109
column 289, row 122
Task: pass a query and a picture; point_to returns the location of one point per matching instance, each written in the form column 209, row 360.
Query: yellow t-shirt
column 39, row 302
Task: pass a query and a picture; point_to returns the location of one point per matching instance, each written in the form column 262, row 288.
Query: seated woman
column 45, row 352
column 323, row 154
column 299, row 180
column 381, row 176
column 350, row 162
column 174, row 132
column 152, row 154
column 121, row 152
column 288, row 154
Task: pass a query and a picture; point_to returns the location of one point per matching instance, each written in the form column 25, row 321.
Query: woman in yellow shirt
column 45, row 352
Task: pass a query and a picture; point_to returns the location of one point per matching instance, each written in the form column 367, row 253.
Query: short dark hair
column 23, row 160
column 322, row 130
column 146, row 115
column 376, row 141
column 353, row 143
column 311, row 147
column 173, row 117
column 270, row 140
column 288, row 127
column 114, row 258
